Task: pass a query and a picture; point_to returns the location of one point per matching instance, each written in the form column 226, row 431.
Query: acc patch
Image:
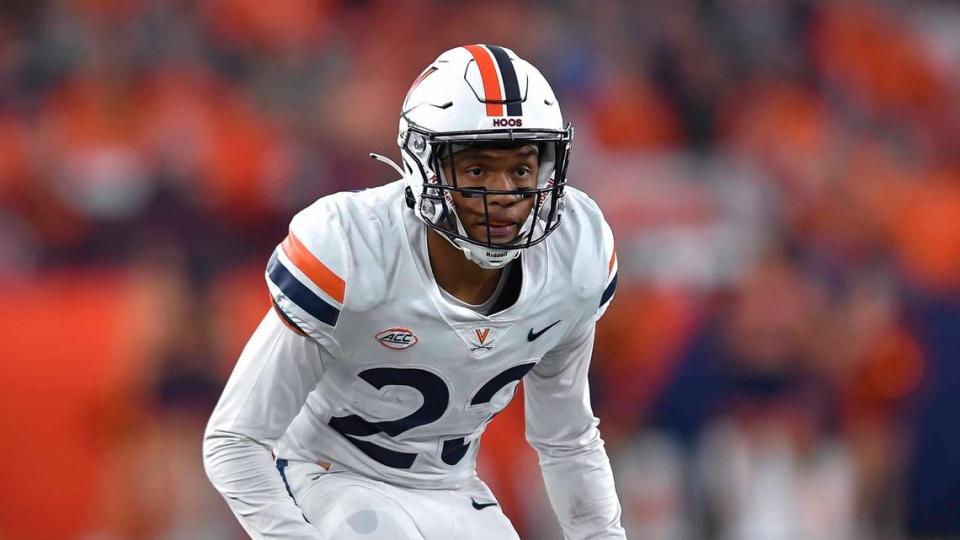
column 397, row 338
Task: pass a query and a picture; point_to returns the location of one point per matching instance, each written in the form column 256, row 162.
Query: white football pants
column 343, row 505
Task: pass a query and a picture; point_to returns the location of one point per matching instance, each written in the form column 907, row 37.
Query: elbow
column 219, row 448
column 568, row 445
column 222, row 448
column 213, row 446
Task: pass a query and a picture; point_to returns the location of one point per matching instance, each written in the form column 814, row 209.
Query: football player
column 405, row 316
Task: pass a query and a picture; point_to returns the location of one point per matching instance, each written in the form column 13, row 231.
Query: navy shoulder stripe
column 300, row 294
column 608, row 293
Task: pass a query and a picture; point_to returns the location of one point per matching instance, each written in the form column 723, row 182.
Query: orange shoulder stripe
column 318, row 272
column 613, row 260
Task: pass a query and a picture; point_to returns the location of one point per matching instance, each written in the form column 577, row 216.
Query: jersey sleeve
column 307, row 274
column 561, row 427
column 269, row 384
column 610, row 259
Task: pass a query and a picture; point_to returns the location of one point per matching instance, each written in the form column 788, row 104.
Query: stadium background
column 783, row 178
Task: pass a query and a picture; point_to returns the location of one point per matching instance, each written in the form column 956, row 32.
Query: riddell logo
column 507, row 122
column 397, row 338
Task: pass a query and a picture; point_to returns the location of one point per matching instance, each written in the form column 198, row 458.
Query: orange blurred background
column 782, row 177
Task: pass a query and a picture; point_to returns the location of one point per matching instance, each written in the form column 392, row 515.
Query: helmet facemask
column 431, row 151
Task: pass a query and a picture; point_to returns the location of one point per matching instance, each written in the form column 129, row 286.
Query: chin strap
column 388, row 161
column 473, row 254
column 486, row 263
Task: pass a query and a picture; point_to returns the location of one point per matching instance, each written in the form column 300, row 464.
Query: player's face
column 495, row 169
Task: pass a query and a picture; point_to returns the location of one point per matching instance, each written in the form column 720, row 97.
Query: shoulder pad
column 594, row 270
column 612, row 266
column 308, row 272
column 333, row 243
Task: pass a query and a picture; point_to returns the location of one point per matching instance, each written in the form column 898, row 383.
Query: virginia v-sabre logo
column 483, row 341
column 397, row 338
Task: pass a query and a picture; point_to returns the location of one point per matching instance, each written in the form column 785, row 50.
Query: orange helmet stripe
column 490, row 77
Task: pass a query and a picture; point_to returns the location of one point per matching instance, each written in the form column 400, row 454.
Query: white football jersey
column 412, row 380
column 404, row 382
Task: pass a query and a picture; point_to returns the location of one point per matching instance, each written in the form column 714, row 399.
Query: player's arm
column 562, row 429
column 561, row 425
column 269, row 385
column 281, row 364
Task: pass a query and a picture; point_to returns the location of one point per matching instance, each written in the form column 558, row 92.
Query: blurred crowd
column 782, row 178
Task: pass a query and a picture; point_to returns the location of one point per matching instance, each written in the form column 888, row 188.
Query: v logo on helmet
column 426, row 73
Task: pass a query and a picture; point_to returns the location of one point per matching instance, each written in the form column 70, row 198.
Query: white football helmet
column 482, row 95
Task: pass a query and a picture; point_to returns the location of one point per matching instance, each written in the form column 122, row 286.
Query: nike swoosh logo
column 534, row 335
column 481, row 506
